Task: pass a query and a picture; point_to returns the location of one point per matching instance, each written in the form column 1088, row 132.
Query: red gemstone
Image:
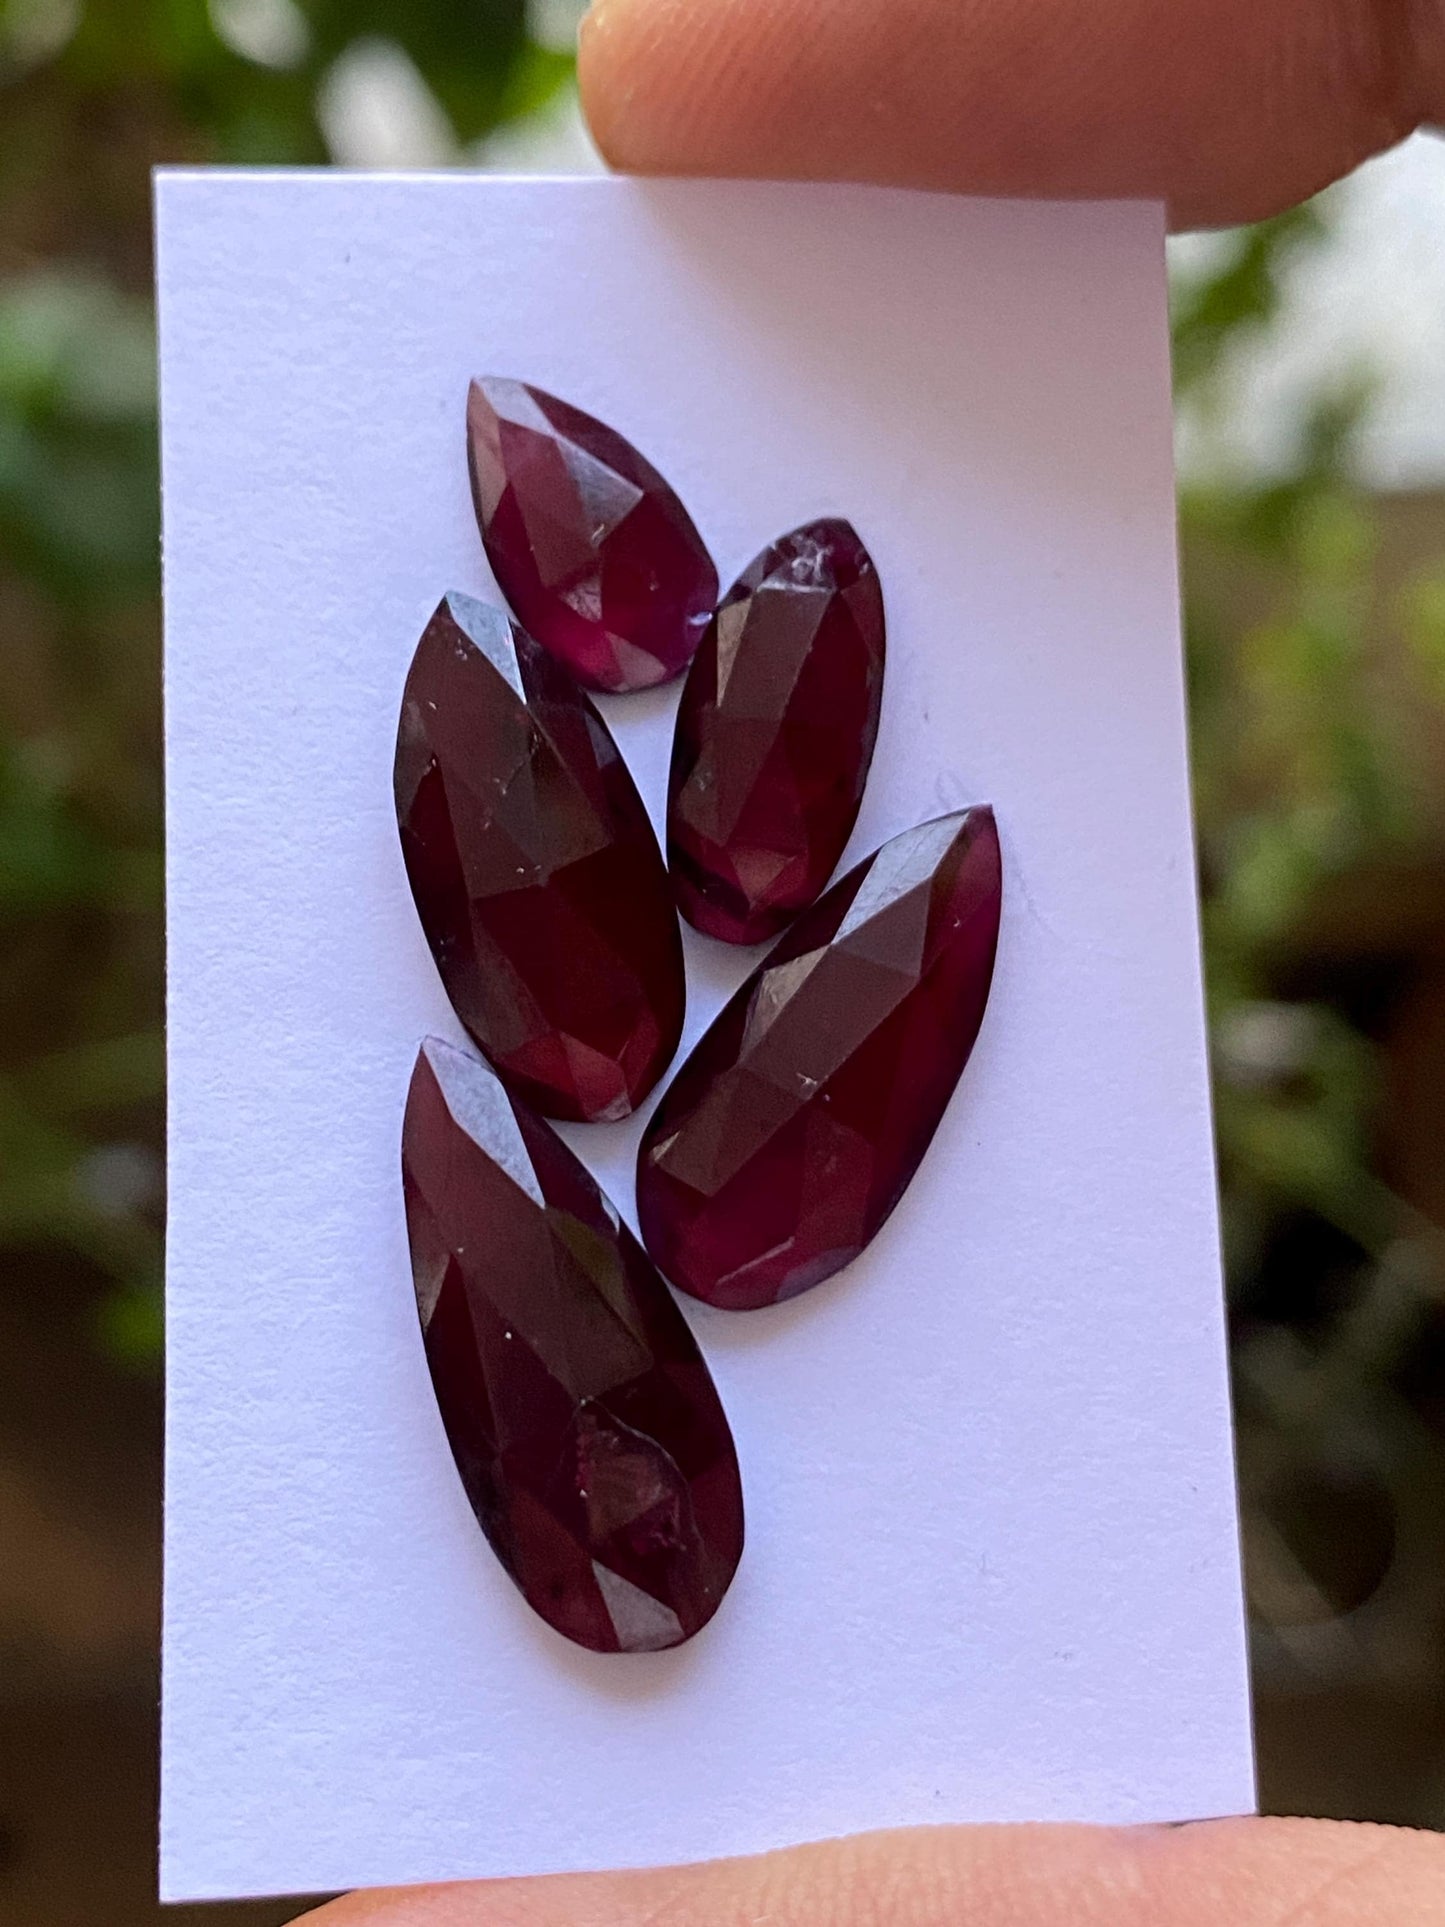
column 584, row 1424
column 535, row 869
column 775, row 733
column 793, row 1129
column 598, row 558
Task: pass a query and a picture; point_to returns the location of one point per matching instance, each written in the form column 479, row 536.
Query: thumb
column 1236, row 1873
column 1227, row 109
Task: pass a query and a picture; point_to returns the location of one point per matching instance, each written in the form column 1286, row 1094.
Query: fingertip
column 596, row 72
column 619, row 44
column 726, row 87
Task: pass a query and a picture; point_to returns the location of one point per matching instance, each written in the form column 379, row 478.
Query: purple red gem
column 535, row 869
column 775, row 733
column 582, row 1419
column 596, row 555
column 795, row 1126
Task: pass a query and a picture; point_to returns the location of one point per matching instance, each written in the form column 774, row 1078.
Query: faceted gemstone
column 582, row 1419
column 775, row 734
column 598, row 558
column 793, row 1129
column 535, row 870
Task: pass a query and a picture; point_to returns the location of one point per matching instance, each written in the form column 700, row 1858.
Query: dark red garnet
column 598, row 558
column 584, row 1424
column 535, row 870
column 775, row 733
column 796, row 1124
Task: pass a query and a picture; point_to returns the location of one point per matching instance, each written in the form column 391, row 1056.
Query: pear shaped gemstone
column 793, row 1129
column 775, row 733
column 596, row 555
column 582, row 1419
column 535, row 870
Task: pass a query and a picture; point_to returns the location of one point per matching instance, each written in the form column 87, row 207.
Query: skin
column 1228, row 1873
column 1228, row 110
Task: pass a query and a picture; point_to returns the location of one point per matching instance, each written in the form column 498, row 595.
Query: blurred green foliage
column 1316, row 721
column 92, row 93
column 1317, row 673
column 240, row 80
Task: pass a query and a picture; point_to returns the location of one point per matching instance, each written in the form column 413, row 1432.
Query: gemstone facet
column 597, row 556
column 584, row 1424
column 775, row 733
column 535, row 869
column 795, row 1126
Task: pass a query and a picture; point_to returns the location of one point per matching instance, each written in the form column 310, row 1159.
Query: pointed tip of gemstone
column 787, row 1138
column 592, row 549
column 584, row 1424
column 775, row 734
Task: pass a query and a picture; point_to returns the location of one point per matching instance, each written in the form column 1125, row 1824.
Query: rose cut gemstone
column 795, row 1126
column 583, row 1422
column 598, row 558
column 535, row 870
column 775, row 733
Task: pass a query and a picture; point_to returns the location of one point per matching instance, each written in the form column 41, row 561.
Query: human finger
column 1249, row 1873
column 1226, row 109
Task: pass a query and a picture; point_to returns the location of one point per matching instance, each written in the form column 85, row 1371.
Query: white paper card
column 991, row 1570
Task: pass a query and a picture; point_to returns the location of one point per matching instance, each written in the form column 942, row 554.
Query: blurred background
column 1310, row 367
